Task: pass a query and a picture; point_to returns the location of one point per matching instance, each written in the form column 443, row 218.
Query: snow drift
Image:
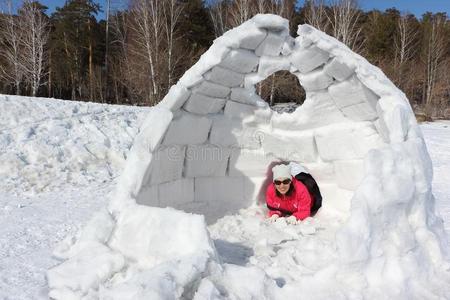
column 207, row 148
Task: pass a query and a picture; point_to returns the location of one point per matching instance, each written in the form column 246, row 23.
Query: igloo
column 208, row 149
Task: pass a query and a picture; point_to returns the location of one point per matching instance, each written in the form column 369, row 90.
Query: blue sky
column 417, row 7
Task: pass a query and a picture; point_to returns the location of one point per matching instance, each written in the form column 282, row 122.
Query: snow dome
column 208, row 149
column 209, row 146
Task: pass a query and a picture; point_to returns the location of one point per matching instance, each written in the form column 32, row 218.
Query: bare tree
column 240, row 11
column 147, row 28
column 11, row 49
column 405, row 47
column 434, row 58
column 219, row 13
column 172, row 12
column 316, row 15
column 343, row 19
column 405, row 43
column 34, row 39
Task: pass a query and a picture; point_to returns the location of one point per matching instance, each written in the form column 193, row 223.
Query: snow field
column 252, row 258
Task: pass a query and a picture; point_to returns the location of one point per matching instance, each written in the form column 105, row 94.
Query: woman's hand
column 292, row 220
column 273, row 218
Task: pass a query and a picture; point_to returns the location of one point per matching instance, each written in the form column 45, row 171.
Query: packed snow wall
column 208, row 147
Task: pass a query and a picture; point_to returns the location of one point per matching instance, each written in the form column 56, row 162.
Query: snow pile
column 377, row 235
column 52, row 142
column 153, row 253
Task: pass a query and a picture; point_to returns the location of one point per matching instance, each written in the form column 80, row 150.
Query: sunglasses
column 278, row 182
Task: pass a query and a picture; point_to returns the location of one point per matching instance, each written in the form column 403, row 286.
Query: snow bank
column 46, row 142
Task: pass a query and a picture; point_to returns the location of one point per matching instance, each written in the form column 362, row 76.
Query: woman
column 287, row 197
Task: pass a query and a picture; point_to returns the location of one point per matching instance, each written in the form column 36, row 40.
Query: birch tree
column 34, row 40
column 172, row 12
column 218, row 11
column 405, row 47
column 434, row 52
column 344, row 21
column 147, row 27
column 316, row 15
column 240, row 11
column 11, row 49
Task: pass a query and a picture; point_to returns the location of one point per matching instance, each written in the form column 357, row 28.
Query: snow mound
column 47, row 142
column 357, row 135
column 155, row 253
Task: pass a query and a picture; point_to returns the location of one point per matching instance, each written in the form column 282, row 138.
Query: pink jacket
column 297, row 203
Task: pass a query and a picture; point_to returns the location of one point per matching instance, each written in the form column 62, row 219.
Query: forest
column 141, row 47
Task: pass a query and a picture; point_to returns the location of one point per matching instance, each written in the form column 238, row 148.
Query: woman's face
column 282, row 185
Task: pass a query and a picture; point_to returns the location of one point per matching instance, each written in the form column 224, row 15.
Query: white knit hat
column 296, row 168
column 281, row 171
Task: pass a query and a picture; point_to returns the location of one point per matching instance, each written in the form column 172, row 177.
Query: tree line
column 136, row 53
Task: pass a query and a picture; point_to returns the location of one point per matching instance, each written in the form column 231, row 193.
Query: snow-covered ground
column 58, row 162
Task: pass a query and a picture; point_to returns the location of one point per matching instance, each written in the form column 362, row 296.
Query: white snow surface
column 241, row 256
column 45, row 142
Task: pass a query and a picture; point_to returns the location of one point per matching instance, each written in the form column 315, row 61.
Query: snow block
column 252, row 38
column 350, row 92
column 321, row 171
column 215, row 54
column 245, row 96
column 315, row 80
column 349, row 173
column 252, row 163
column 306, row 60
column 345, row 142
column 212, row 89
column 227, row 132
column 241, row 61
column 167, row 164
column 394, row 119
column 201, row 104
column 289, row 145
column 272, row 45
column 175, row 98
column 313, row 111
column 248, row 113
column 181, row 130
column 360, row 112
column 251, row 79
column 153, row 129
column 225, row 77
column 270, row 64
column 271, row 22
column 338, row 70
column 149, row 236
column 247, row 36
column 134, row 176
column 176, row 193
column 148, row 195
column 238, row 110
column 224, row 195
column 206, row 160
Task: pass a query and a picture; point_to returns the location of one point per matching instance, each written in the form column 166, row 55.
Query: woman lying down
column 294, row 194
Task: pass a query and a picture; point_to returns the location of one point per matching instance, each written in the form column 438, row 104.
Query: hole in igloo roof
column 282, row 90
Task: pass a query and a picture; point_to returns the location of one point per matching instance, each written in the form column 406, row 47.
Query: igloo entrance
column 208, row 147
